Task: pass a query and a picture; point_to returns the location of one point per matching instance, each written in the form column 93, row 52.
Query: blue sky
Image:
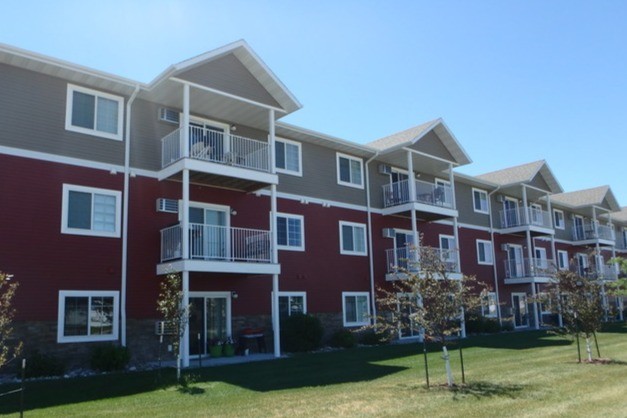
column 516, row 81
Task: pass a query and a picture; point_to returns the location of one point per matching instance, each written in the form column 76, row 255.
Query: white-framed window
column 356, row 308
column 558, row 219
column 480, row 201
column 291, row 303
column 90, row 211
column 290, row 232
column 489, row 305
column 87, row 316
column 353, row 238
column 350, row 171
column 484, row 252
column 562, row 259
column 288, row 157
column 94, row 113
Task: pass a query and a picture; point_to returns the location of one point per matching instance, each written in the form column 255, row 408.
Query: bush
column 106, row 358
column 343, row 338
column 482, row 325
column 301, row 333
column 371, row 337
column 40, row 365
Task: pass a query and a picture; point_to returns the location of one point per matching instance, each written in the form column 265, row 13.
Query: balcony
column 217, row 158
column 602, row 272
column 432, row 201
column 217, row 249
column 528, row 270
column 586, row 233
column 401, row 261
column 521, row 220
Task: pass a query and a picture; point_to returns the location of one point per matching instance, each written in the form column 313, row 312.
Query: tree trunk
column 588, row 348
column 447, row 363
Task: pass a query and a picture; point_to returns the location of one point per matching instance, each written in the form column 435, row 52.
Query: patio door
column 582, row 264
column 515, row 261
column 209, row 232
column 579, row 229
column 408, row 328
column 207, row 140
column 535, row 214
column 541, row 262
column 404, row 249
column 209, row 320
column 520, row 311
column 510, row 212
column 399, row 182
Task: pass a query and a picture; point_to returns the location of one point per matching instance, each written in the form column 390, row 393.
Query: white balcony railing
column 216, row 147
column 407, row 259
column 512, row 218
column 586, row 231
column 397, row 193
column 605, row 272
column 528, row 267
column 217, row 243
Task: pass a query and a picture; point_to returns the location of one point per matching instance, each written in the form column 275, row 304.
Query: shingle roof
column 586, row 197
column 517, row 174
column 402, row 137
column 620, row 216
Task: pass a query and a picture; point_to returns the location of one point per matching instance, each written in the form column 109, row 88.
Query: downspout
column 370, row 259
column 496, row 278
column 127, row 167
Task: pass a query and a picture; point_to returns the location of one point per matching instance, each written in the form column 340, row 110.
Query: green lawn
column 518, row 374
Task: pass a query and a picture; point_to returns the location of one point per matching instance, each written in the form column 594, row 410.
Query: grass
column 526, row 374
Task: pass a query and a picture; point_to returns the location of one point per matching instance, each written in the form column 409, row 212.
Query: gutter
column 371, row 257
column 127, row 164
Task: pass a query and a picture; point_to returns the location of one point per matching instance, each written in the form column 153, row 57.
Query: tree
column 175, row 313
column 619, row 287
column 429, row 300
column 7, row 312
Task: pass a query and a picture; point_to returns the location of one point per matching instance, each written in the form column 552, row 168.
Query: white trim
column 298, row 145
column 353, row 225
column 355, row 295
column 288, row 247
column 67, row 188
column 487, row 211
column 559, row 259
column 339, row 155
column 71, row 88
column 61, row 338
column 290, row 294
column 487, row 251
column 555, row 225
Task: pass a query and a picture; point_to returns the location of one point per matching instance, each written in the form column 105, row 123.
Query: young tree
column 175, row 313
column 619, row 287
column 7, row 312
column 430, row 300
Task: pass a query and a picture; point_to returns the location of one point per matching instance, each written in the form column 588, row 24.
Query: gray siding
column 465, row 206
column 539, row 182
column 229, row 75
column 32, row 117
column 432, row 145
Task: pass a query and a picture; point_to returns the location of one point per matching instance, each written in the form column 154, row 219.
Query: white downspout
column 127, row 168
column 496, row 278
column 370, row 247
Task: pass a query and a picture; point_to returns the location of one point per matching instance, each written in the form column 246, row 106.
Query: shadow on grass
column 517, row 340
column 487, row 390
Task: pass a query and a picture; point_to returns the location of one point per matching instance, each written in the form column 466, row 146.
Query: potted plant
column 215, row 348
column 228, row 349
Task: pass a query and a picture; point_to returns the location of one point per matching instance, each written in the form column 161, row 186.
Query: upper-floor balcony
column 220, row 249
column 433, row 201
column 532, row 219
column 591, row 232
column 600, row 272
column 528, row 270
column 406, row 260
column 217, row 158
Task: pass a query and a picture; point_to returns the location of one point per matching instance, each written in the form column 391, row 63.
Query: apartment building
column 110, row 184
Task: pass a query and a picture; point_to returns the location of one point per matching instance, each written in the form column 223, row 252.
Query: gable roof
column 524, row 173
column 587, row 197
column 621, row 215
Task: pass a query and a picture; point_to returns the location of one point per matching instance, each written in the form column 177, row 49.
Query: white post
column 273, row 231
column 184, row 344
column 535, row 303
column 411, row 184
column 447, row 364
column 185, row 148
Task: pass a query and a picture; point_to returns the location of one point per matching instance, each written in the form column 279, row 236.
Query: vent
column 167, row 205
column 385, row 169
column 169, row 115
column 388, row 233
column 161, row 328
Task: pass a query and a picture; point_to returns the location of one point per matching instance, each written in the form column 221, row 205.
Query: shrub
column 482, row 325
column 371, row 337
column 39, row 365
column 106, row 358
column 301, row 333
column 343, row 338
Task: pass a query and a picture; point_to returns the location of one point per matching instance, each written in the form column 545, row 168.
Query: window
column 288, row 157
column 349, row 171
column 90, row 211
column 291, row 303
column 356, row 308
column 352, row 238
column 94, row 113
column 562, row 259
column 489, row 305
column 448, row 250
column 290, row 232
column 558, row 219
column 484, row 252
column 87, row 316
column 480, row 201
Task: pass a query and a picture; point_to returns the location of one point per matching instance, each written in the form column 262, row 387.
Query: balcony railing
column 511, row 218
column 217, row 243
column 605, row 272
column 407, row 259
column 528, row 267
column 216, row 147
column 586, row 231
column 397, row 193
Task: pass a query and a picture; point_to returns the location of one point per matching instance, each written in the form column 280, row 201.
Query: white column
column 411, row 184
column 273, row 232
column 185, row 148
column 525, row 206
column 552, row 225
column 271, row 142
column 535, row 303
column 184, row 344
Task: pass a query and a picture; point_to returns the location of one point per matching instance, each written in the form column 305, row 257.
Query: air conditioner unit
column 161, row 328
column 167, row 205
column 168, row 115
column 389, row 233
column 385, row 169
column 504, row 247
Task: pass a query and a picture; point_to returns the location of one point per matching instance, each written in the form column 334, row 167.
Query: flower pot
column 215, row 351
column 228, row 350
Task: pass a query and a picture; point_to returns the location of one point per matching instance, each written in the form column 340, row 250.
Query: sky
column 515, row 81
